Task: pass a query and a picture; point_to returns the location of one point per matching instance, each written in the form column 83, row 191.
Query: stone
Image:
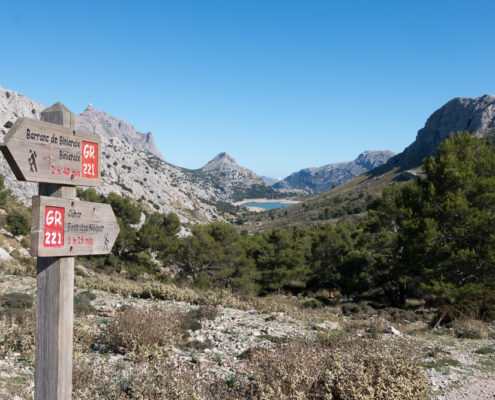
column 390, row 330
column 4, row 255
column 328, row 325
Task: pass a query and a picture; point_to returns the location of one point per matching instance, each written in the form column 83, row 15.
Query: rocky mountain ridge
column 322, row 179
column 269, row 181
column 476, row 115
column 237, row 182
column 105, row 125
column 130, row 171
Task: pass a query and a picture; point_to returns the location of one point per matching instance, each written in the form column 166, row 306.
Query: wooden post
column 55, row 298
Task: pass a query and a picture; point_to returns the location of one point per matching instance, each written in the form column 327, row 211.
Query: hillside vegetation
column 430, row 240
column 288, row 313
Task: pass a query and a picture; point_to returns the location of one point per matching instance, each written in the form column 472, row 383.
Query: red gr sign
column 89, row 160
column 53, row 232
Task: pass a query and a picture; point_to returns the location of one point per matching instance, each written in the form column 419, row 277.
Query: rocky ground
column 456, row 368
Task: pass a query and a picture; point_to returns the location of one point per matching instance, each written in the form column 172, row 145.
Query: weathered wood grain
column 88, row 228
column 55, row 300
column 54, row 322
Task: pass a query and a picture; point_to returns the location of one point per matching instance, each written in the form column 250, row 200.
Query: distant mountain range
column 269, row 181
column 476, row 115
column 322, row 179
column 132, row 165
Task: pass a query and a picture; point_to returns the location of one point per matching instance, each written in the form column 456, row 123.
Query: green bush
column 18, row 223
column 15, row 306
column 25, row 242
column 16, row 300
column 82, row 303
column 485, row 350
column 350, row 308
column 312, row 303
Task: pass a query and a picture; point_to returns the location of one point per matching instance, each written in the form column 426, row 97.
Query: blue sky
column 279, row 85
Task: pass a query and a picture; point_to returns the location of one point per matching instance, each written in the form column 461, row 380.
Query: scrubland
column 152, row 340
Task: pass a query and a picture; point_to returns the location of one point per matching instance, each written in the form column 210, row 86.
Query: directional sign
column 39, row 151
column 63, row 228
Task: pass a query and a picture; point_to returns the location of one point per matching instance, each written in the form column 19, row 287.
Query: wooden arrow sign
column 62, row 227
column 39, row 151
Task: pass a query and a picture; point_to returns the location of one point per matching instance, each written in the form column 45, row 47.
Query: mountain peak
column 103, row 124
column 476, row 115
column 221, row 162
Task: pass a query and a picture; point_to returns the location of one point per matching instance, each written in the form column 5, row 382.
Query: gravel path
column 477, row 388
column 469, row 375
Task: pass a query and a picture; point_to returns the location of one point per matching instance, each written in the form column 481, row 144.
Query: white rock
column 4, row 255
column 392, row 331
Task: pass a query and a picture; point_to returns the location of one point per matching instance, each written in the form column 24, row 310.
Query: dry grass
column 470, row 328
column 158, row 291
column 99, row 379
column 144, row 333
column 17, row 336
column 25, row 266
column 350, row 370
column 338, row 369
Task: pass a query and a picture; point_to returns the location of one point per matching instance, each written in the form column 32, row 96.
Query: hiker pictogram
column 32, row 161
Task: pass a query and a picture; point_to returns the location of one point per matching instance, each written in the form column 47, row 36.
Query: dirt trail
column 475, row 389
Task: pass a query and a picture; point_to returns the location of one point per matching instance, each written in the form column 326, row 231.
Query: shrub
column 82, row 303
column 86, row 334
column 485, row 350
column 25, row 242
column 205, row 312
column 143, row 333
column 16, row 300
column 470, row 328
column 312, row 303
column 8, row 125
column 338, row 369
column 350, row 308
column 18, row 337
column 13, row 267
column 15, row 254
column 18, row 223
column 93, row 379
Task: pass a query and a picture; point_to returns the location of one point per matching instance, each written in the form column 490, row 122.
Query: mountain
column 105, row 125
column 476, row 115
column 234, row 181
column 14, row 105
column 348, row 200
column 132, row 166
column 269, row 181
column 322, row 179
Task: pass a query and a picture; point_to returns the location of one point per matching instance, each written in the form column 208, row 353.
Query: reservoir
column 267, row 206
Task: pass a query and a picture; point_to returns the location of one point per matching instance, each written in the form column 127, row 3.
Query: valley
column 207, row 295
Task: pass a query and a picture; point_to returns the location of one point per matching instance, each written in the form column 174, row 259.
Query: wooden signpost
column 39, row 151
column 62, row 227
column 54, row 154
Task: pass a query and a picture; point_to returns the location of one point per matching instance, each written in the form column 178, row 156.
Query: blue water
column 268, row 206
